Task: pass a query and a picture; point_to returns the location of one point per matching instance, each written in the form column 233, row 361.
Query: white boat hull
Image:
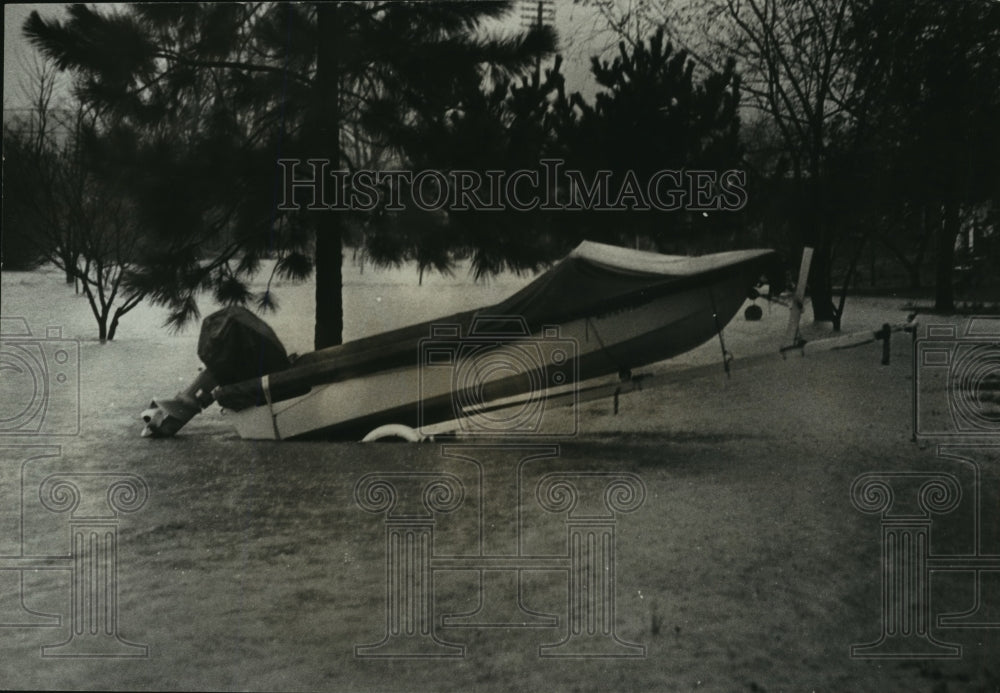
column 428, row 392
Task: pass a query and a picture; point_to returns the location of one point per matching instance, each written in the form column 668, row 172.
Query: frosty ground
column 251, row 567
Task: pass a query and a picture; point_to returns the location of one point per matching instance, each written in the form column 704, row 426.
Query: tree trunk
column 114, row 326
column 328, row 224
column 69, row 266
column 947, row 232
column 872, row 260
column 918, row 261
column 814, row 234
column 846, row 286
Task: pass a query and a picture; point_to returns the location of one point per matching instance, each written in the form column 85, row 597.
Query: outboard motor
column 167, row 416
column 234, row 345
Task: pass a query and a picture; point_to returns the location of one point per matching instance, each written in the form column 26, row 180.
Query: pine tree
column 206, row 97
column 655, row 113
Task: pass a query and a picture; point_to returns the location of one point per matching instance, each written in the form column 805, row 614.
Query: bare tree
column 795, row 72
column 73, row 217
column 43, row 124
column 794, row 63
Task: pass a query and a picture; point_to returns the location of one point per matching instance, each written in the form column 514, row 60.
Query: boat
column 601, row 310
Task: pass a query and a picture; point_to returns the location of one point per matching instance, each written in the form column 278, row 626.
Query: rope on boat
column 590, row 326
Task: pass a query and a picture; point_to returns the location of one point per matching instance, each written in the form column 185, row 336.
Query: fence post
column 886, row 343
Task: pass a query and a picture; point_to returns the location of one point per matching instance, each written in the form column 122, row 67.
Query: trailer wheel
column 393, row 432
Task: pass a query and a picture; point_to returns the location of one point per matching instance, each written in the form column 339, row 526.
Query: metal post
column 886, row 343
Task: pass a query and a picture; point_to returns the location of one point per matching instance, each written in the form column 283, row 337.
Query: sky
column 576, row 24
column 17, row 50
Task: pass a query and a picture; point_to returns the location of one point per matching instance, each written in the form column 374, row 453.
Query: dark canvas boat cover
column 236, row 345
column 592, row 280
column 597, row 278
